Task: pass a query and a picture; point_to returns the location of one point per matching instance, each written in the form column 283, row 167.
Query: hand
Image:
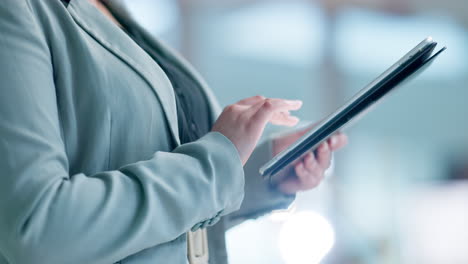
column 243, row 122
column 309, row 171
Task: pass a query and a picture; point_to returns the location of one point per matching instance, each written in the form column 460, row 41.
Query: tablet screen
column 413, row 62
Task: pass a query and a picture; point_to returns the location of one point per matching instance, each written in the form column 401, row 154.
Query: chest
column 110, row 114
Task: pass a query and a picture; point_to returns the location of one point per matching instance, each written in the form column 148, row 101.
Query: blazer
column 91, row 167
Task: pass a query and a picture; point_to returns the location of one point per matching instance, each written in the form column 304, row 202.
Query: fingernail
column 294, row 102
column 333, row 141
column 294, row 120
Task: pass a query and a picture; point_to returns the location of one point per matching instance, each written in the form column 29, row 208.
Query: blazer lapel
column 91, row 20
column 121, row 13
column 212, row 101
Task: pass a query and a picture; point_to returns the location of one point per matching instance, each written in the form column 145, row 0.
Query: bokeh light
column 306, row 238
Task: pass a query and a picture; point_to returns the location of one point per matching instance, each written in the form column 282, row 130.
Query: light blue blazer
column 91, row 168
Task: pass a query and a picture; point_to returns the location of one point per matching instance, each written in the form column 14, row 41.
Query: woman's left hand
column 309, row 171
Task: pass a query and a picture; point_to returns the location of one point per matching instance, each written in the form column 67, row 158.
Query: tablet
column 412, row 63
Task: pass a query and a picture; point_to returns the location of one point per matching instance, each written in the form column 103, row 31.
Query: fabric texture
column 92, row 167
column 193, row 113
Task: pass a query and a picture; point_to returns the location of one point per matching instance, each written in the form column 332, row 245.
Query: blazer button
column 214, row 220
column 205, row 224
column 196, row 227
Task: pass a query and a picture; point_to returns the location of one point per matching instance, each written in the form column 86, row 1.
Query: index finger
column 251, row 100
column 266, row 111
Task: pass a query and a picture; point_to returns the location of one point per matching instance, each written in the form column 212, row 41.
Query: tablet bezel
column 297, row 149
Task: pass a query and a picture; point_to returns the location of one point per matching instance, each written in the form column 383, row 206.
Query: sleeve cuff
column 260, row 197
column 233, row 168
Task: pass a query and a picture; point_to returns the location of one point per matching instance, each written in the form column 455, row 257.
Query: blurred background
column 398, row 193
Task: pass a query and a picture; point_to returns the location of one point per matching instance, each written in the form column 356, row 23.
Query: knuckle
column 268, row 104
column 230, row 108
column 299, row 171
column 227, row 108
column 259, row 97
column 238, row 108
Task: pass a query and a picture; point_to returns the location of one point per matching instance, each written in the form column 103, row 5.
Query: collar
column 116, row 41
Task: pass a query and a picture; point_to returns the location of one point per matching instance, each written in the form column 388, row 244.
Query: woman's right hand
column 243, row 122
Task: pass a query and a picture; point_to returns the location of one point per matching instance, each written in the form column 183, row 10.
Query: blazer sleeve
column 260, row 197
column 50, row 216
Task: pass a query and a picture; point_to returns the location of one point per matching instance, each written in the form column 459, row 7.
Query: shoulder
column 29, row 10
column 21, row 19
column 29, row 4
column 25, row 25
column 22, row 6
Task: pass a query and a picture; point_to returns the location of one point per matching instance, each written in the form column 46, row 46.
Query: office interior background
column 398, row 193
